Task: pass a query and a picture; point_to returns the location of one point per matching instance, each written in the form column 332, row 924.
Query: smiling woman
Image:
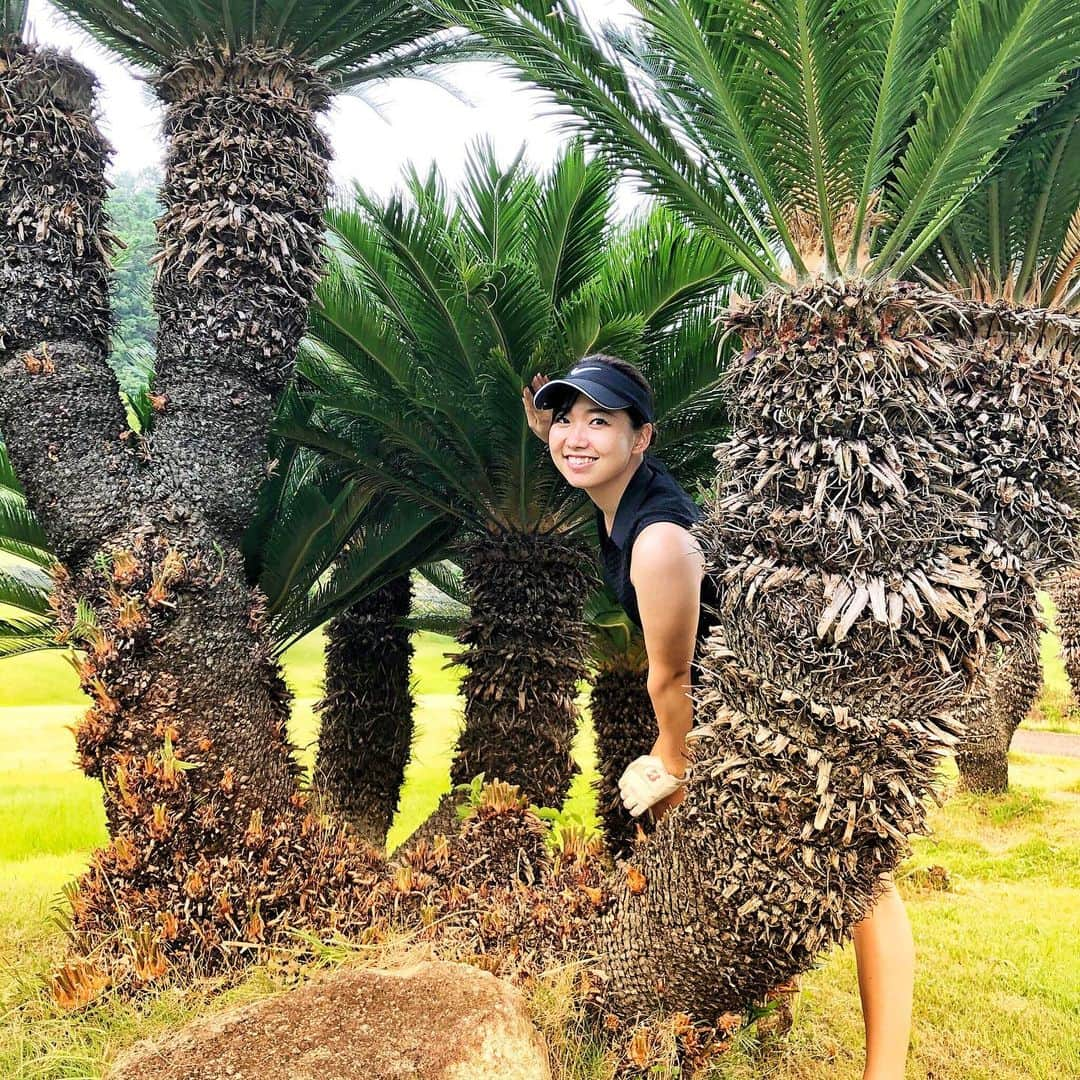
column 598, row 422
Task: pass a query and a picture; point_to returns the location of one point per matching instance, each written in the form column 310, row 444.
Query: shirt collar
column 631, row 501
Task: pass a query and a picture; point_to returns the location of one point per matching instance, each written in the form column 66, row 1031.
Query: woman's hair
column 628, row 369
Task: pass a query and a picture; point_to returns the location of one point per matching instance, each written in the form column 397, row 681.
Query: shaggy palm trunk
column 625, row 726
column 1066, row 593
column 367, row 713
column 211, row 845
column 60, row 408
column 525, row 654
column 990, row 723
column 1016, row 403
column 857, row 587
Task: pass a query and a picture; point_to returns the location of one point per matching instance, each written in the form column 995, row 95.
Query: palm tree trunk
column 1066, row 593
column 625, row 726
column 856, row 592
column 367, row 712
column 211, row 843
column 244, row 192
column 525, row 654
column 60, row 407
column 1012, row 687
column 979, row 768
column 244, row 187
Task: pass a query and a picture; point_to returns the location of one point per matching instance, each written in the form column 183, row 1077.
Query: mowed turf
column 998, row 992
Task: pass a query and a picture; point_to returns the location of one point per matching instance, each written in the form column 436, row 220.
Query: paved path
column 1046, row 742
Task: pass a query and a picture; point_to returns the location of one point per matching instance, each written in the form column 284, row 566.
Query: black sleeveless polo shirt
column 652, row 495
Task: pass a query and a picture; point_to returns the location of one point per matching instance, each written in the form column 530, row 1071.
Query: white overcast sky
column 416, row 122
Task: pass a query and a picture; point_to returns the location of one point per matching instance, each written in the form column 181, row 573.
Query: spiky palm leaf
column 13, row 18
column 1017, row 239
column 26, row 623
column 789, row 129
column 433, row 317
column 351, row 43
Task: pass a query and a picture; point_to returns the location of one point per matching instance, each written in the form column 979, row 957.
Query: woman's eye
column 599, row 420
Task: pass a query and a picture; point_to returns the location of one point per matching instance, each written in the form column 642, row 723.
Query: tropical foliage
column 433, row 317
column 1017, row 239
column 1016, row 244
column 794, row 132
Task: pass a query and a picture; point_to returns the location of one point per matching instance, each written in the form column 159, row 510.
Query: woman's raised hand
column 539, row 419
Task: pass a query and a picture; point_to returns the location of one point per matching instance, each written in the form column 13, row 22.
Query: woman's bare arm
column 666, row 572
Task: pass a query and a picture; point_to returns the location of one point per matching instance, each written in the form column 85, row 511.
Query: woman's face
column 591, row 445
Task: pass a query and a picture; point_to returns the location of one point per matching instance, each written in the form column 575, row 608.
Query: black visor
column 602, row 383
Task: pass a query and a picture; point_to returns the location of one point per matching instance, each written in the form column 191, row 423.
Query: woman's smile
column 579, row 462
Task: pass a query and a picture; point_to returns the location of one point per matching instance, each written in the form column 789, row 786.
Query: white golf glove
column 646, row 781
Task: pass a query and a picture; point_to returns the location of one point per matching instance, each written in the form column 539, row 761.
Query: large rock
column 435, row 1021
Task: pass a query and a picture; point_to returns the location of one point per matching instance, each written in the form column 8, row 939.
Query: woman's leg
column 885, row 958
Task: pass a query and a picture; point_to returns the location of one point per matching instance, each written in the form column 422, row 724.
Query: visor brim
column 551, row 393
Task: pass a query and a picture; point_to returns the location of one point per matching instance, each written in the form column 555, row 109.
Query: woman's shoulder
column 663, row 551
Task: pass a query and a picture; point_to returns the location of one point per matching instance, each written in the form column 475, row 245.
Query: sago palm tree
column 178, row 657
column 824, row 146
column 433, row 317
column 1015, row 245
column 1065, row 589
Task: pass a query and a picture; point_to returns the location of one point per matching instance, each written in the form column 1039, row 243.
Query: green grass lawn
column 998, row 992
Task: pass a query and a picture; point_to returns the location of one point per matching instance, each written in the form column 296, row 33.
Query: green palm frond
column 612, row 635
column 20, row 534
column 138, row 402
column 553, row 49
column 25, row 586
column 8, row 479
column 12, row 18
column 297, row 535
column 1011, row 238
column 804, row 136
column 494, row 201
column 435, row 313
column 572, row 213
column 659, row 267
column 350, row 42
column 26, row 621
column 1002, row 59
column 1063, row 289
column 389, row 540
column 22, row 635
column 445, row 575
column 443, row 607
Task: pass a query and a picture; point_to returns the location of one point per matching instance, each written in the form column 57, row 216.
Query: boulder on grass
column 433, row 1021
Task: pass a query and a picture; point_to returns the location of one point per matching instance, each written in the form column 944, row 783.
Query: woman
column 598, row 423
